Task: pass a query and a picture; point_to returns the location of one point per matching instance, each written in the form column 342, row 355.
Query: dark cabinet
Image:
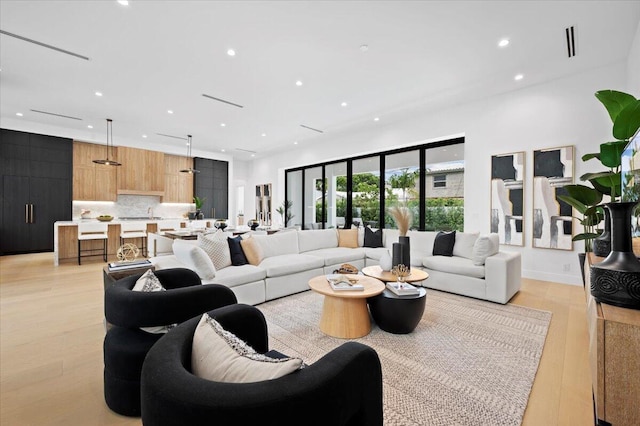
column 212, row 184
column 35, row 191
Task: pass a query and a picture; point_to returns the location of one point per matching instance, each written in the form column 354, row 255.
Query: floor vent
column 571, row 41
column 48, row 46
column 56, row 115
column 221, row 100
column 311, row 128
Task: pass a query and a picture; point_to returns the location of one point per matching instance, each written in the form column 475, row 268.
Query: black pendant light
column 190, row 169
column 108, row 162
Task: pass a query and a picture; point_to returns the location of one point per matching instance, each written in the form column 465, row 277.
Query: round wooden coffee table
column 388, row 277
column 344, row 313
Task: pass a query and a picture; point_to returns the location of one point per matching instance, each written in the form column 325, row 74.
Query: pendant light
column 190, row 169
column 108, row 162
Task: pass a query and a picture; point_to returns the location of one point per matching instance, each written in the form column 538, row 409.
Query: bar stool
column 92, row 231
column 134, row 229
column 168, row 225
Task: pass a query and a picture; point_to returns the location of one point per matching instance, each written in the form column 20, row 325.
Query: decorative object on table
column 386, row 263
column 108, row 161
column 346, row 268
column 127, row 252
column 199, row 202
column 396, row 254
column 285, row 212
column 616, row 280
column 341, row 282
column 402, row 289
column 403, row 218
column 507, row 197
column 253, row 224
column 552, row 220
column 220, row 224
column 105, row 218
column 602, row 243
column 401, row 272
column 84, row 214
column 190, row 170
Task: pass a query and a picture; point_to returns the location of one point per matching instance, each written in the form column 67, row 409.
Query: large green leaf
column 576, row 204
column 585, row 236
column 611, row 153
column 627, row 122
column 584, row 194
column 588, row 157
column 614, row 102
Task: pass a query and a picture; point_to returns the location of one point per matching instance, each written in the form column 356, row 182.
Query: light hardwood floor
column 51, row 332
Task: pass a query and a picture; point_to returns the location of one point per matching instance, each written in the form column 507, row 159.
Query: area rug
column 469, row 362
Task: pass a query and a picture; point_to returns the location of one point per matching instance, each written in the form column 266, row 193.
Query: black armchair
column 342, row 388
column 125, row 345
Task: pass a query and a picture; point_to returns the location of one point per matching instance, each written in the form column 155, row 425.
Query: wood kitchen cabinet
column 35, row 192
column 91, row 181
column 178, row 186
column 142, row 172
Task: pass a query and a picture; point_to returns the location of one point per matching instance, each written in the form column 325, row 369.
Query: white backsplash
column 133, row 206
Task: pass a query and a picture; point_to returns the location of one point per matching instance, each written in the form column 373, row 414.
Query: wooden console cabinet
column 614, row 355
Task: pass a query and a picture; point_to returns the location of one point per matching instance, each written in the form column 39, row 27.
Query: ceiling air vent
column 571, row 41
column 221, row 100
column 311, row 128
column 56, row 115
column 171, row 136
column 48, row 46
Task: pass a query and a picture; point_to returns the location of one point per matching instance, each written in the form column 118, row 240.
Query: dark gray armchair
column 125, row 345
column 342, row 388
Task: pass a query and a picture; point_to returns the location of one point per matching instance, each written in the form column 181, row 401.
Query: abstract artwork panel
column 507, row 197
column 552, row 218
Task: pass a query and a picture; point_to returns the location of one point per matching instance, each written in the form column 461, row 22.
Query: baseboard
column 549, row 276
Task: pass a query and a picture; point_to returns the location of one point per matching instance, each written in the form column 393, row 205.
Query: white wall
column 557, row 113
column 633, row 66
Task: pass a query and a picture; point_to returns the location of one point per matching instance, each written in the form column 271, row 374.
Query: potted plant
column 199, row 203
column 285, row 212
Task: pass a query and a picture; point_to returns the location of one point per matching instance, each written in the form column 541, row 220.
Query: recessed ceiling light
column 298, row 83
column 144, row 136
column 98, row 93
column 253, row 155
column 364, row 48
column 223, row 125
column 231, row 52
column 89, row 126
column 264, row 134
column 223, row 150
column 19, row 114
column 376, row 119
column 295, row 143
column 344, row 104
column 518, row 77
column 503, row 43
column 170, row 111
column 124, row 2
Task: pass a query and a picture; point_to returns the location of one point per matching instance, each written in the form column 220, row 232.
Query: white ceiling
column 152, row 56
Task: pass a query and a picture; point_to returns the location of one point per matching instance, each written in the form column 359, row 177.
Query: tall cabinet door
column 212, row 183
column 15, row 214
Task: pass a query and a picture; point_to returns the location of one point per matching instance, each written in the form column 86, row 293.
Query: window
column 439, row 181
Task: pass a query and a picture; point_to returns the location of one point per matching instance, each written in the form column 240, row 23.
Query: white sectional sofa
column 290, row 258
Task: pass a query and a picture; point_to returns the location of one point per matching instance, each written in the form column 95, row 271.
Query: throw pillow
column 252, row 251
column 217, row 248
column 464, row 244
column 372, row 239
column 235, row 249
column 443, row 245
column 485, row 246
column 194, row 258
column 220, row 356
column 348, row 238
column 148, row 282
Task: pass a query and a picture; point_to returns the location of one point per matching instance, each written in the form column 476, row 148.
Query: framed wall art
column 552, row 218
column 507, row 197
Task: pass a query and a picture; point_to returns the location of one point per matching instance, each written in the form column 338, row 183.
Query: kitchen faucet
column 150, row 212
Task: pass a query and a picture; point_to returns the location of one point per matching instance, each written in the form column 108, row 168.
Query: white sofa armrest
column 503, row 274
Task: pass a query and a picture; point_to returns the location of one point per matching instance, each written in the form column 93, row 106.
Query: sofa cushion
column 372, row 238
column 485, row 246
column 317, row 239
column 390, row 236
column 288, row 264
column 421, row 242
column 217, row 248
column 235, row 250
column 336, row 255
column 238, row 275
column 375, row 253
column 443, row 244
column 252, row 250
column 194, row 258
column 220, row 356
column 454, row 265
column 464, row 244
column 278, row 244
column 348, row 238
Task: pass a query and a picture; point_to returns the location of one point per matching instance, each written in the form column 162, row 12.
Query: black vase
column 406, row 251
column 602, row 244
column 616, row 280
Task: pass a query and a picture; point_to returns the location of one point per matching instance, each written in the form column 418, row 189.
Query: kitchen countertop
column 116, row 221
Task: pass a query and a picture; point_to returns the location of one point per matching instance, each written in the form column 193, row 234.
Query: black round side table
column 397, row 314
